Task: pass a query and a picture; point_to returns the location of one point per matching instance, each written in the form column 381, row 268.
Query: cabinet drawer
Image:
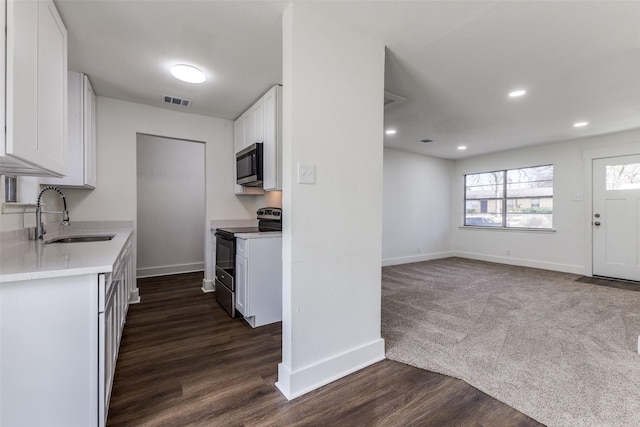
column 241, row 247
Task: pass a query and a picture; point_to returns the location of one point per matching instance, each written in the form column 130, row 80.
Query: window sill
column 510, row 230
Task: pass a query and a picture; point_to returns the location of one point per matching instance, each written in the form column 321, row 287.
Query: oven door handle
column 223, row 236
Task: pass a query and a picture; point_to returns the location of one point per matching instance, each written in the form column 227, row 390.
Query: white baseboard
column 416, row 258
column 208, row 286
column 169, row 269
column 134, row 296
column 521, row 262
column 295, row 384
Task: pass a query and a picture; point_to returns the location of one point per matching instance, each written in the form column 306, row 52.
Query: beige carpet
column 560, row 351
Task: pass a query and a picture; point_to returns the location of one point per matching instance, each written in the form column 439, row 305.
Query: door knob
column 596, row 223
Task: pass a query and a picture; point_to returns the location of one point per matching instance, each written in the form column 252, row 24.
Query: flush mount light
column 390, row 132
column 580, row 124
column 188, row 73
column 517, row 93
column 462, row 147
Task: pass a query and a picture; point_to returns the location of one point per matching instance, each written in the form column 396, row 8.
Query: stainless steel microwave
column 249, row 166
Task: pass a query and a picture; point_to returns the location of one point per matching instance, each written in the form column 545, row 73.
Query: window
column 512, row 198
column 623, row 177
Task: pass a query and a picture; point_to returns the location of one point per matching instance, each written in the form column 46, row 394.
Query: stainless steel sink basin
column 82, row 239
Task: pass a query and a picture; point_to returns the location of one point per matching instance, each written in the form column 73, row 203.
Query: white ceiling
column 454, row 61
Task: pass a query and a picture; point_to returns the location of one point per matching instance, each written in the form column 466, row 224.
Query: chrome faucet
column 40, row 231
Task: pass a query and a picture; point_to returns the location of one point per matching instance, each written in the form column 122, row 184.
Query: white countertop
column 28, row 260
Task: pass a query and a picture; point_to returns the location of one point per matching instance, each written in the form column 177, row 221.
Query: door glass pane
column 623, row 177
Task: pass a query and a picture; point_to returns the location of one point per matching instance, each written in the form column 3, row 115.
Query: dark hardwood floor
column 184, row 361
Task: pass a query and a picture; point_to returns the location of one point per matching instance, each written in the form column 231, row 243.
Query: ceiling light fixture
column 188, row 73
column 580, row 124
column 390, row 132
column 462, row 147
column 517, row 93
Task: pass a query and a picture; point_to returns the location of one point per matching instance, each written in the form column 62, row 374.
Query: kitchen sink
column 82, row 239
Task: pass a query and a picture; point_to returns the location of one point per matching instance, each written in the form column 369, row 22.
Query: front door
column 616, row 217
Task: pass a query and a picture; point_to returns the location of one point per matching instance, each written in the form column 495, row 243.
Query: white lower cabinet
column 259, row 279
column 59, row 339
column 117, row 286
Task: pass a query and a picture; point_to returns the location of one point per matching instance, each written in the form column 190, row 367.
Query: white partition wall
column 333, row 82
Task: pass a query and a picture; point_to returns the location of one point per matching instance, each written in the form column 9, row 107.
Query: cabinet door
column 257, row 112
column 241, row 286
column 22, row 75
column 3, row 45
column 52, row 88
column 36, row 86
column 247, row 124
column 238, row 142
column 89, row 131
column 238, row 135
column 272, row 154
column 80, row 150
column 111, row 351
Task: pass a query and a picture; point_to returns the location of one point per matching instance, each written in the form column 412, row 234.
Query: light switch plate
column 306, row 174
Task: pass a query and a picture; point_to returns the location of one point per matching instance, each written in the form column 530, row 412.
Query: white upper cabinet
column 242, row 133
column 3, row 47
column 263, row 123
column 81, row 144
column 36, row 90
column 272, row 149
column 257, row 122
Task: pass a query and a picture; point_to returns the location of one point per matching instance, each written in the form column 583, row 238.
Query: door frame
column 588, row 156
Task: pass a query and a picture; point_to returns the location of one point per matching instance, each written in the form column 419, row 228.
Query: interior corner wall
column 566, row 249
column 417, row 208
column 333, row 84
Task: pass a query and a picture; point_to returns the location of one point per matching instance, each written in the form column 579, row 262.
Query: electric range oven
column 269, row 219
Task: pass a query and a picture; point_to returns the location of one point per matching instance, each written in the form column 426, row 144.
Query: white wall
column 115, row 196
column 569, row 247
column 21, row 217
column 171, row 205
column 332, row 114
column 417, row 208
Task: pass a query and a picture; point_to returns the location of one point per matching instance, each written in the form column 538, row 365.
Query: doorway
column 170, row 205
column 616, row 217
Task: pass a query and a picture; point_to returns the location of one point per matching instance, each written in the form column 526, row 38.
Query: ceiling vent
column 426, row 141
column 174, row 100
column 392, row 100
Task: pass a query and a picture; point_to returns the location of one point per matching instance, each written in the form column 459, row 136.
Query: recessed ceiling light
column 390, row 132
column 188, row 73
column 580, row 124
column 462, row 147
column 517, row 93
